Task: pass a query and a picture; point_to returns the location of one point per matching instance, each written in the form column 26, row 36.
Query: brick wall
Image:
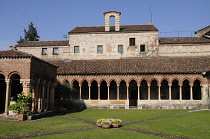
column 20, row 66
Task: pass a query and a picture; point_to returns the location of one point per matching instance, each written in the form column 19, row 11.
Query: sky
column 55, row 18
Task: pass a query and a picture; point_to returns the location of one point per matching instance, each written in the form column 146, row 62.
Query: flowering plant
column 23, row 104
column 116, row 121
column 106, row 122
column 99, row 121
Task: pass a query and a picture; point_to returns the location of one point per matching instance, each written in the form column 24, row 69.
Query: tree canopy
column 30, row 35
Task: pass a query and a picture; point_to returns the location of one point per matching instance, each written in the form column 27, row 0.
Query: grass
column 192, row 125
column 16, row 128
column 102, row 134
column 125, row 115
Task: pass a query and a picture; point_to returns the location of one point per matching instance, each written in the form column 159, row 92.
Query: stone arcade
column 125, row 66
column 20, row 71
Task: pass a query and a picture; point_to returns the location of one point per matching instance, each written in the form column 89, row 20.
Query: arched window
column 175, row 90
column 94, row 90
column 154, row 90
column 186, row 90
column 164, row 90
column 2, row 92
column 85, row 90
column 144, row 90
column 16, row 87
column 133, row 93
column 197, row 90
column 123, row 90
column 103, row 90
column 76, row 90
column 113, row 90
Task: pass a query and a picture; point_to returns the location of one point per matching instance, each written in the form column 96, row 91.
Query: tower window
column 132, row 41
column 142, row 48
column 120, row 49
column 99, row 49
column 76, row 49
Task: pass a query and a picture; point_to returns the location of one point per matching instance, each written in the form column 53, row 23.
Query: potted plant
column 116, row 122
column 106, row 123
column 98, row 122
column 23, row 106
column 14, row 109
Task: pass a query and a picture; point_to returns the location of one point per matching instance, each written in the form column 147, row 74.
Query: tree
column 30, row 35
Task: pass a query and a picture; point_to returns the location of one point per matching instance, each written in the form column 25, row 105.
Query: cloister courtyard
column 146, row 124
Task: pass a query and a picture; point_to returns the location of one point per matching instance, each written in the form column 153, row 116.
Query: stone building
column 125, row 66
column 20, row 71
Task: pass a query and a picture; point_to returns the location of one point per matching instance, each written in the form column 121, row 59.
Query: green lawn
column 100, row 134
column 125, row 115
column 17, row 128
column 192, row 125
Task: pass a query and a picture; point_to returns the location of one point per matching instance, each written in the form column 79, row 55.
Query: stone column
column 108, row 92
column 52, row 95
column 26, row 83
column 8, row 95
column 138, row 92
column 180, row 92
column 89, row 91
column 159, row 92
column 98, row 92
column 191, row 92
column 169, row 85
column 127, row 92
column 80, row 92
column 36, row 93
column 39, row 102
column 43, row 96
column 118, row 92
column 48, row 95
column 149, row 91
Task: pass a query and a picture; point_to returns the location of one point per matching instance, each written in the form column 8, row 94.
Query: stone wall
column 184, row 50
column 88, row 45
column 63, row 52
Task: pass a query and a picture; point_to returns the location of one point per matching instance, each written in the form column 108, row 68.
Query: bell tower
column 114, row 14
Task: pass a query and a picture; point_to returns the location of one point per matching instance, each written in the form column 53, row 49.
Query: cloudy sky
column 55, row 18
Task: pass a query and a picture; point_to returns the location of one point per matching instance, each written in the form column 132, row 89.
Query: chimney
column 114, row 14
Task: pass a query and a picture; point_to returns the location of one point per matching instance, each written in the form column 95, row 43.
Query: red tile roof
column 133, row 66
column 123, row 28
column 43, row 43
column 14, row 54
column 190, row 40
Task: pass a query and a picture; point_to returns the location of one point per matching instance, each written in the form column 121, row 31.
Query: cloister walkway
column 121, row 128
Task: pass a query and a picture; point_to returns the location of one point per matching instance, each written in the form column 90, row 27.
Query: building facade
column 125, row 66
column 22, row 72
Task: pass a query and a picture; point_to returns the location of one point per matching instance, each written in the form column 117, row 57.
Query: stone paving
column 121, row 128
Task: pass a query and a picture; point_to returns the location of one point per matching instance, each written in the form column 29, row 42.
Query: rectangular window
column 142, row 48
column 120, row 49
column 99, row 49
column 55, row 51
column 44, row 51
column 132, row 41
column 76, row 49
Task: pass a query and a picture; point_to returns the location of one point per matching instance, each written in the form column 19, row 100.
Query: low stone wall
column 141, row 104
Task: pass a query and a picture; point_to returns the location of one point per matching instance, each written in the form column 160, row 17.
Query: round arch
column 122, row 90
column 154, row 89
column 2, row 92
